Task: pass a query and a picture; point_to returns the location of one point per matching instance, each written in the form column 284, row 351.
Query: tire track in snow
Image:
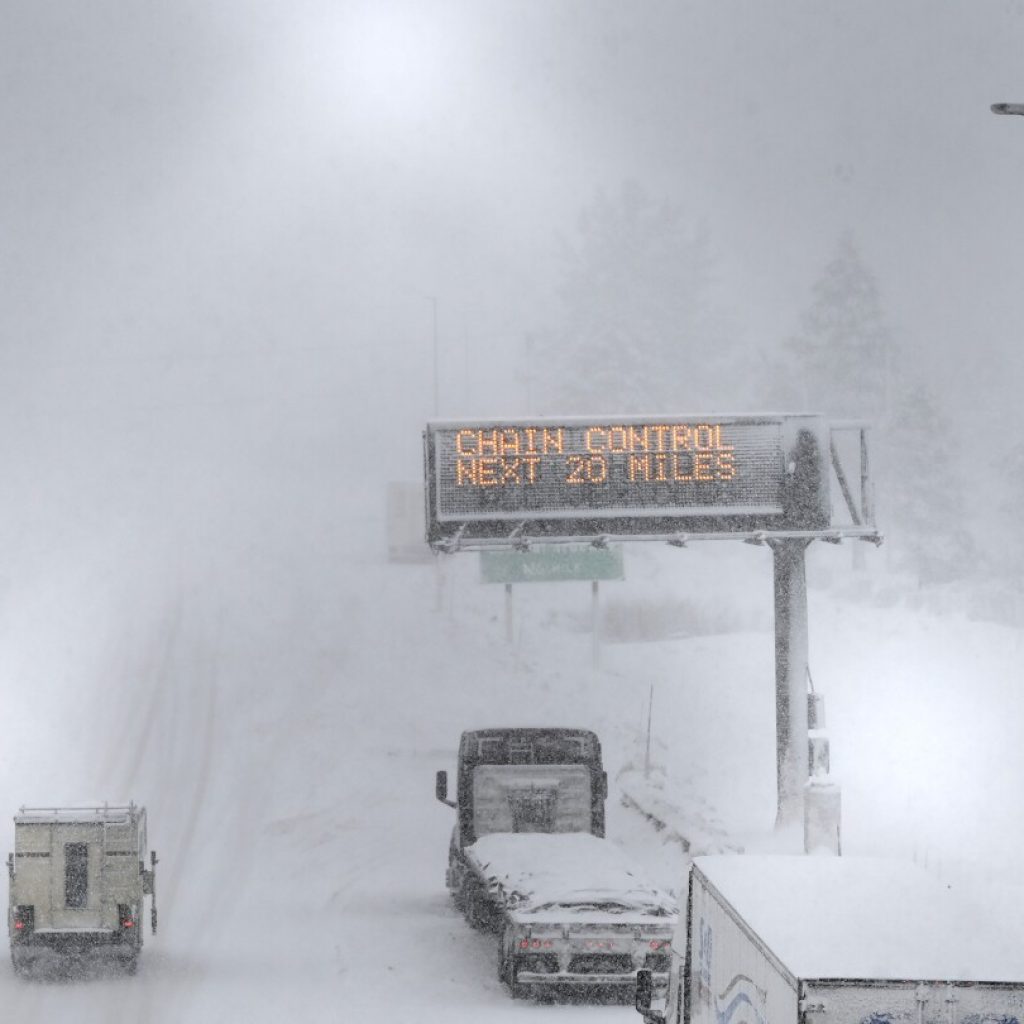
column 158, row 674
column 158, row 996
column 139, row 714
column 217, row 829
column 201, row 786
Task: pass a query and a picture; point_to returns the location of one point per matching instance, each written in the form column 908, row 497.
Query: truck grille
column 601, row 963
column 538, row 963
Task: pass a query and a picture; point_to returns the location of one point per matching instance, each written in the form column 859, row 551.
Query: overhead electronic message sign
column 574, row 477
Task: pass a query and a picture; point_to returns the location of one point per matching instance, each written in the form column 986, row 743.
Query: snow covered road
column 287, row 761
column 281, row 709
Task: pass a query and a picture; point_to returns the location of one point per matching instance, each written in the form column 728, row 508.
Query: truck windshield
column 534, row 747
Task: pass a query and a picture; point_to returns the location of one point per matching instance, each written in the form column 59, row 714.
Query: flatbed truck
column 529, row 861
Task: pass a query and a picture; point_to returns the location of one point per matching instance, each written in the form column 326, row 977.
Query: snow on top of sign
column 616, row 418
column 868, row 918
column 574, row 871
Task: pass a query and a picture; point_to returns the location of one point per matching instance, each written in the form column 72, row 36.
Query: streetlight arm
column 1008, row 108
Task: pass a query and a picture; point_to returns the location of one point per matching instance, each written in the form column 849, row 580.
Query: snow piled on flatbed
column 564, row 873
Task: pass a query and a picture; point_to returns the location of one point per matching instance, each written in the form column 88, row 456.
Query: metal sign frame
column 502, row 483
column 812, row 452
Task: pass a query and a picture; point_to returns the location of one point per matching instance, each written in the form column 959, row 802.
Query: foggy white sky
column 223, row 224
column 248, row 205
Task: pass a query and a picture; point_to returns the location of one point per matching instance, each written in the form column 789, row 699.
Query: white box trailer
column 837, row 940
column 77, row 882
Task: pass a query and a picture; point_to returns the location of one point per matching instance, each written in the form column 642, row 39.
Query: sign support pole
column 509, row 622
column 647, row 749
column 509, row 484
column 791, row 661
column 438, row 582
column 595, row 626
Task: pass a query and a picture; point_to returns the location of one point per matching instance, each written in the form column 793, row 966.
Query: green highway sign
column 551, row 564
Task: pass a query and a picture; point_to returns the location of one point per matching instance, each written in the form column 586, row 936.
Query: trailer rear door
column 76, row 880
column 733, row 976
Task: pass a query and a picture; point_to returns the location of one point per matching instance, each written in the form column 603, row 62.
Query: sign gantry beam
column 524, row 541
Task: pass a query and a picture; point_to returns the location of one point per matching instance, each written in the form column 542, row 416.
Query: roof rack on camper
column 99, row 812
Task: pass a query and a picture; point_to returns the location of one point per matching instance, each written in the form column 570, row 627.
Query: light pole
column 433, row 307
column 1008, row 108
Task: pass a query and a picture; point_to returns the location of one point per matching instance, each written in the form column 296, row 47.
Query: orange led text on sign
column 504, row 456
column 510, row 441
column 663, row 468
column 493, row 471
column 658, row 437
column 654, row 453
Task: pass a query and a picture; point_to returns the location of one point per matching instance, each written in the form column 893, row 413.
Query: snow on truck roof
column 870, row 918
column 576, row 871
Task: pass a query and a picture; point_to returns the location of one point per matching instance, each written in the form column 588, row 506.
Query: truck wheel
column 472, row 910
column 507, row 970
column 474, row 906
column 463, row 899
column 458, row 898
column 507, row 973
column 455, row 880
column 504, row 963
column 131, row 964
column 516, row 990
column 20, row 963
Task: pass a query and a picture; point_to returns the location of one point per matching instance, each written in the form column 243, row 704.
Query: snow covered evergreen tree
column 841, row 362
column 1006, row 507
column 639, row 332
column 924, row 493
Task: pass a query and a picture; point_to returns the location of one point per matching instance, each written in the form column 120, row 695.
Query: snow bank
column 680, row 813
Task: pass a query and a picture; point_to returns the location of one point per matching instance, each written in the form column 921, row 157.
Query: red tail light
column 128, row 924
column 24, row 920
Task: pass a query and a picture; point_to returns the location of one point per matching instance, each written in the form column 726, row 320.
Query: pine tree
column 923, row 484
column 1007, row 511
column 841, row 362
column 638, row 332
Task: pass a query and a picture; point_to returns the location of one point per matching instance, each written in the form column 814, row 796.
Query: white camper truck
column 78, row 876
column 838, row 940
